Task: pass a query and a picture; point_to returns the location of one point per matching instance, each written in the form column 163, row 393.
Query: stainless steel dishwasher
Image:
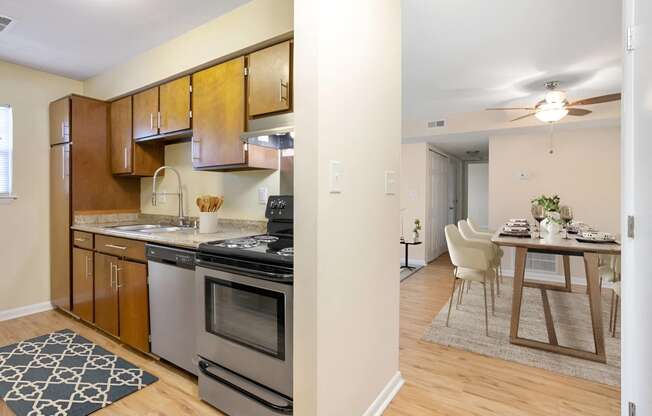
column 172, row 305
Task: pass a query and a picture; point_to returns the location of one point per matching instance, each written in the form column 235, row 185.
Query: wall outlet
column 390, row 182
column 263, row 194
column 524, row 176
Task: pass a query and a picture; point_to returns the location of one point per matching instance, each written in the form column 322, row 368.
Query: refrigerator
column 60, row 212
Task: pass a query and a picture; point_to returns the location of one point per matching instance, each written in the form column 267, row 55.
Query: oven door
column 245, row 325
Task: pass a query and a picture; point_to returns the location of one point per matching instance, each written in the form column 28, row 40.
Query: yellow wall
column 24, row 223
column 250, row 24
column 584, row 172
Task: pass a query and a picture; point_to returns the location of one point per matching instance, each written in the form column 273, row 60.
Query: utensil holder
column 208, row 222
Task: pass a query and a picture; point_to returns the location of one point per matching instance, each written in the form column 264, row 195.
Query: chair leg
column 486, row 312
column 611, row 311
column 497, row 274
column 613, row 331
column 493, row 298
column 450, row 305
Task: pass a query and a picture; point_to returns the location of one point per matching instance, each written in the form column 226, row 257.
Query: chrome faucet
column 179, row 193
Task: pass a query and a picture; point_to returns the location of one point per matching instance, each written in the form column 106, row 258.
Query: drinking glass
column 539, row 215
column 566, row 215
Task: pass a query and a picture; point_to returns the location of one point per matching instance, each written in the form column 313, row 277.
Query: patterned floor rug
column 572, row 322
column 63, row 373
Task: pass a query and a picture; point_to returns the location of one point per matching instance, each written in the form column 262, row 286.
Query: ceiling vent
column 436, row 124
column 4, row 22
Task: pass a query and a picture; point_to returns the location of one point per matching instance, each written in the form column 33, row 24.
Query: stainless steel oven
column 245, row 327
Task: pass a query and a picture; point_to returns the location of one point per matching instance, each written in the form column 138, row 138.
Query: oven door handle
column 229, row 268
column 204, row 366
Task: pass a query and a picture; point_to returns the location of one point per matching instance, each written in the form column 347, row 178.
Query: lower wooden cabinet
column 82, row 283
column 106, row 294
column 133, row 304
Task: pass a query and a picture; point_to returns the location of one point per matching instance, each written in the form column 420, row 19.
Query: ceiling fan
column 555, row 106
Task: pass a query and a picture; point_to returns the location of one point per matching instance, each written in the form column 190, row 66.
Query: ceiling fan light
column 554, row 97
column 551, row 115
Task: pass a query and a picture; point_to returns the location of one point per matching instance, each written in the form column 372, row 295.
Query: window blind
column 6, row 145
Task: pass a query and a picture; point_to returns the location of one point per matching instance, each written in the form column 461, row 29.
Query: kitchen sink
column 151, row 228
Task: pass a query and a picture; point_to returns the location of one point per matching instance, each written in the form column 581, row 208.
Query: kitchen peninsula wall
column 240, row 189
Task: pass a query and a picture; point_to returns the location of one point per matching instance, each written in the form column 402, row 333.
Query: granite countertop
column 189, row 238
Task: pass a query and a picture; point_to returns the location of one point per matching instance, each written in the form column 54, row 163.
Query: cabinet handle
column 116, row 247
column 125, row 152
column 117, row 277
column 151, row 121
column 81, row 240
column 63, row 131
column 88, row 269
column 282, row 85
column 158, row 120
column 196, row 152
column 111, row 274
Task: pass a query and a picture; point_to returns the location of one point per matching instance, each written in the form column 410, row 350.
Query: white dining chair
column 496, row 258
column 472, row 263
column 488, row 235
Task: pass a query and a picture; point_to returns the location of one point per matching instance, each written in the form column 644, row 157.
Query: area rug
column 405, row 273
column 63, row 373
column 572, row 323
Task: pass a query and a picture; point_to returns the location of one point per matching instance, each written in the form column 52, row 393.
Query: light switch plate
column 335, row 177
column 390, row 182
column 263, row 194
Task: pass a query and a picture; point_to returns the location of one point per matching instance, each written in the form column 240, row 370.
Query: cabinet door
column 121, row 137
column 106, row 293
column 60, row 226
column 134, row 304
column 269, row 82
column 146, row 113
column 82, row 283
column 60, row 121
column 175, row 105
column 218, row 103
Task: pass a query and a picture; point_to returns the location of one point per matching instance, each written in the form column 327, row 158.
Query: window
column 6, row 138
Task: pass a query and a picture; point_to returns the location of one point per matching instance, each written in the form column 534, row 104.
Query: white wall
column 584, row 172
column 477, row 187
column 348, row 108
column 255, row 22
column 24, row 223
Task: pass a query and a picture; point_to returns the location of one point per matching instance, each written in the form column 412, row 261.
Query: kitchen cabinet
column 175, row 105
column 218, row 102
column 106, row 294
column 269, row 80
column 133, row 304
column 145, row 113
column 60, row 121
column 82, row 283
column 128, row 157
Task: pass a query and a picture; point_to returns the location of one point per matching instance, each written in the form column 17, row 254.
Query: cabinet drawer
column 120, row 247
column 82, row 239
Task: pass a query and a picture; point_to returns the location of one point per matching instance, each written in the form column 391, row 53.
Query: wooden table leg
column 567, row 273
column 595, row 302
column 519, row 277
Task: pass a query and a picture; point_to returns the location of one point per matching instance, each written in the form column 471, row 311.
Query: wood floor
column 446, row 381
column 438, row 380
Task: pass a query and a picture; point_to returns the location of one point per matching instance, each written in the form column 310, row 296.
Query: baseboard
column 7, row 314
column 554, row 278
column 386, row 396
column 413, row 262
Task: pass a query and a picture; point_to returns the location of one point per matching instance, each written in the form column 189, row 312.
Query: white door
column 637, row 202
column 438, row 205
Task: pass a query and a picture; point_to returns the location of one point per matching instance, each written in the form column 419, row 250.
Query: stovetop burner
column 239, row 243
column 288, row 251
column 266, row 238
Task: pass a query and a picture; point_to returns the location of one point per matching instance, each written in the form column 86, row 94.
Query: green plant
column 549, row 203
column 417, row 225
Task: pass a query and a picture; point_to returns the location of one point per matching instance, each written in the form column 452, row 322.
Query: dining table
column 555, row 244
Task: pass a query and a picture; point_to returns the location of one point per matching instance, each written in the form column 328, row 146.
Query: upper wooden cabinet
column 146, row 113
column 269, row 80
column 60, row 121
column 175, row 105
column 218, row 102
column 128, row 157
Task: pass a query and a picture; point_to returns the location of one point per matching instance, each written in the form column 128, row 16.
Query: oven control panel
column 280, row 207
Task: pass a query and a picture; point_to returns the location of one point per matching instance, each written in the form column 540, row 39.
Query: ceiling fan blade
column 578, row 112
column 510, row 108
column 596, row 100
column 522, row 117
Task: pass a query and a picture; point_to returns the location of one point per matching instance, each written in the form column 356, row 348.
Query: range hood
column 276, row 132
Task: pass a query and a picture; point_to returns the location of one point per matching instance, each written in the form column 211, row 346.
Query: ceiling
column 461, row 56
column 82, row 38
